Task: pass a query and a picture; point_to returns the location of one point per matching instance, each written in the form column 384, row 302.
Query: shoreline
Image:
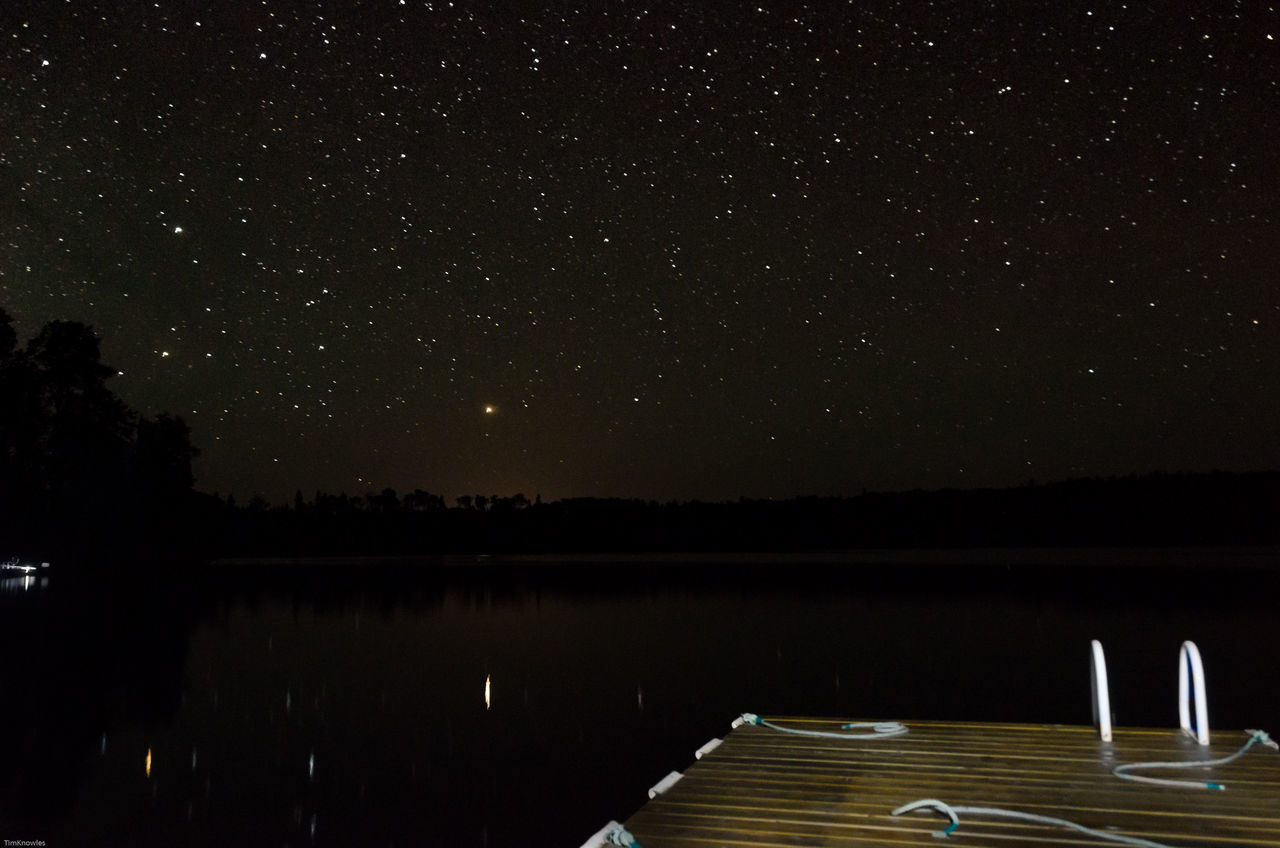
column 1196, row 557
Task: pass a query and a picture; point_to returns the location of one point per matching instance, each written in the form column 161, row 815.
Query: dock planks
column 766, row 788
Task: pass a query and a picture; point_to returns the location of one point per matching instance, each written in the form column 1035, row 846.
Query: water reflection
column 25, row 583
column 620, row 680
column 19, row 576
column 100, row 658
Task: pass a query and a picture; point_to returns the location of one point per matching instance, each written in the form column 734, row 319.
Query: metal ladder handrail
column 1101, row 692
column 1191, row 688
column 1191, row 692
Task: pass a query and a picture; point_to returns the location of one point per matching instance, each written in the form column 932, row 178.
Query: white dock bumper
column 665, row 784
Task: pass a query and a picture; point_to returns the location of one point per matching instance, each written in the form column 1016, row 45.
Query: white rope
column 1122, row 771
column 880, row 729
column 952, row 813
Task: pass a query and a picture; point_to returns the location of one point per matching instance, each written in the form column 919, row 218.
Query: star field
column 665, row 250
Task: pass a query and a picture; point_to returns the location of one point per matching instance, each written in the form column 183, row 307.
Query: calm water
column 346, row 704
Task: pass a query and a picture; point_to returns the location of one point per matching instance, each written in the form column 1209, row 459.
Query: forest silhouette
column 1159, row 509
column 82, row 473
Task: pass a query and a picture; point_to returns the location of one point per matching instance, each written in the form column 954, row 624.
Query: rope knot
column 1264, row 738
column 622, row 837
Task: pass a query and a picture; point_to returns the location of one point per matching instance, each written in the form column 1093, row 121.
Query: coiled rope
column 952, row 813
column 1122, row 771
column 879, row 729
column 619, row 835
column 1256, row 737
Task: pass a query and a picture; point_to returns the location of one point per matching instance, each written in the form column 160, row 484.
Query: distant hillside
column 1155, row 509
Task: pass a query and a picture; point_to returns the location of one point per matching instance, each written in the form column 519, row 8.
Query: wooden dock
column 762, row 787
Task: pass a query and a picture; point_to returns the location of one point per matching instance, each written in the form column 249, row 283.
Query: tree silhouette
column 86, row 428
column 78, row 467
column 163, row 456
column 384, row 501
column 419, row 500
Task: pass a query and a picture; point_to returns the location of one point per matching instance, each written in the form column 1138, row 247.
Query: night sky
column 663, row 250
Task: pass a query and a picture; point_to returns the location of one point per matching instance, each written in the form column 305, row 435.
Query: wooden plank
column 766, row 788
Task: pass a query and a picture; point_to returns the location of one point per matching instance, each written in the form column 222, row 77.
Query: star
column 742, row 217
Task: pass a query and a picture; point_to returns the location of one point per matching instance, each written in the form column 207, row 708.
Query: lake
column 527, row 701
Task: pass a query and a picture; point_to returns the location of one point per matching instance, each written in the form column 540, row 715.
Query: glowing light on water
column 486, row 691
column 148, row 762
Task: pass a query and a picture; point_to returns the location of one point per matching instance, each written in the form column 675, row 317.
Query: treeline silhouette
column 1156, row 509
column 81, row 472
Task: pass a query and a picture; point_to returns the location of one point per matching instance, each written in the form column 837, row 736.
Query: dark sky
column 677, row 250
